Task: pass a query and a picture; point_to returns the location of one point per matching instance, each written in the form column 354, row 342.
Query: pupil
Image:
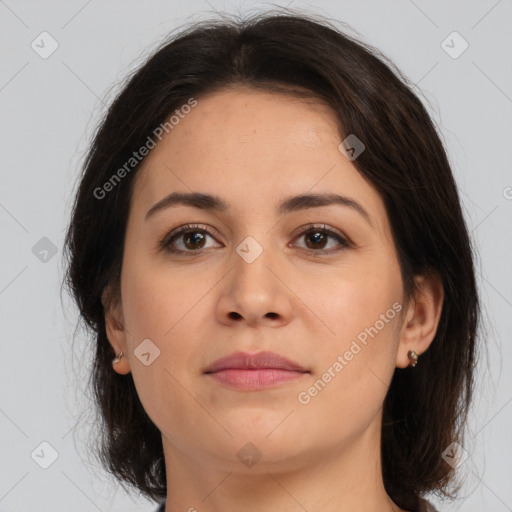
column 317, row 236
column 195, row 237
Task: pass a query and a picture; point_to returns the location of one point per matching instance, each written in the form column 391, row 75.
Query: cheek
column 341, row 405
column 355, row 298
column 168, row 305
column 157, row 300
column 158, row 307
column 356, row 359
column 354, row 370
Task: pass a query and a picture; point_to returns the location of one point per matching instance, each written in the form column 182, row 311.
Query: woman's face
column 254, row 277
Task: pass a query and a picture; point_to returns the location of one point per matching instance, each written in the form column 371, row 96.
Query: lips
column 259, row 361
column 254, row 372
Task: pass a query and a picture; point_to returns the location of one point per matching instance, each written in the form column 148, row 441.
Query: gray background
column 49, row 108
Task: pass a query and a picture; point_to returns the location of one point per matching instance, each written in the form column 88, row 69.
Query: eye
column 187, row 239
column 190, row 240
column 317, row 238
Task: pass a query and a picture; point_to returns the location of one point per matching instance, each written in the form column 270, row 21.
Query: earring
column 413, row 357
column 117, row 359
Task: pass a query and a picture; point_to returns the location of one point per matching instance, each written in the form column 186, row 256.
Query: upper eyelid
column 180, row 230
column 211, row 230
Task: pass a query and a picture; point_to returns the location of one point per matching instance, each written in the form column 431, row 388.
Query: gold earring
column 413, row 356
column 117, row 359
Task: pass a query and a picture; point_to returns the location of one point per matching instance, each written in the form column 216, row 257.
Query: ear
column 116, row 332
column 421, row 318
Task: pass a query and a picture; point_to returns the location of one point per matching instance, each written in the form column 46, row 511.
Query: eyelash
column 165, row 243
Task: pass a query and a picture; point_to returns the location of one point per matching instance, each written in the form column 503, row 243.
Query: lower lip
column 253, row 380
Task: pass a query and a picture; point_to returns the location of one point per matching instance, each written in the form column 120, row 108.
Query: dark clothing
column 425, row 506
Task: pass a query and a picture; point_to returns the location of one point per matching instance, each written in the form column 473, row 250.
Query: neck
column 339, row 479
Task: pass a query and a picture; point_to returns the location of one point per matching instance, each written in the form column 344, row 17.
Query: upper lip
column 260, row 360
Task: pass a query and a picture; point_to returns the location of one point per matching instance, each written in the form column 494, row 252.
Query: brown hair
column 426, row 407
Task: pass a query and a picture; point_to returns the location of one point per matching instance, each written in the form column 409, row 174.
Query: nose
column 255, row 293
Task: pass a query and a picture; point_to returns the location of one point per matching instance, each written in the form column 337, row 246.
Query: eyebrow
column 210, row 202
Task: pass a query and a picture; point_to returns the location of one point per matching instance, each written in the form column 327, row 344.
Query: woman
column 268, row 245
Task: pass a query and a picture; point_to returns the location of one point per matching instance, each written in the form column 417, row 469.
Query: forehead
column 244, row 124
column 247, row 145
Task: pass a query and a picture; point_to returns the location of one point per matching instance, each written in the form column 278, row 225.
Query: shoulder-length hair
column 426, row 408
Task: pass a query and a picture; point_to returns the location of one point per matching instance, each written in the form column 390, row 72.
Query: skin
column 252, row 149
